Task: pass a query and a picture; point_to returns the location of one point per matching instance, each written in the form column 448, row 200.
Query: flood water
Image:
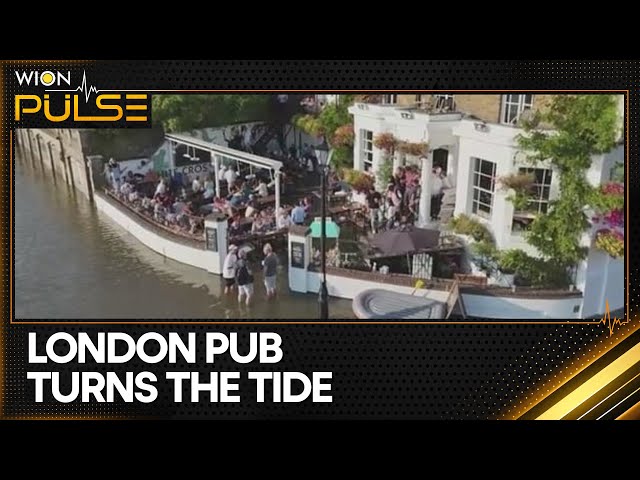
column 72, row 262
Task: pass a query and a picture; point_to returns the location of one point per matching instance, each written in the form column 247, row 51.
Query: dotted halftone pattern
column 403, row 371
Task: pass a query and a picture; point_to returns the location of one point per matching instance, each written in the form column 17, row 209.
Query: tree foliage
column 334, row 122
column 582, row 126
column 179, row 113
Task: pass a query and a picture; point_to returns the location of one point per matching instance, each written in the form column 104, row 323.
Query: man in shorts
column 229, row 268
column 244, row 278
column 269, row 268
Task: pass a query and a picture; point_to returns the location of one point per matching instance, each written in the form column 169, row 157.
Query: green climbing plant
column 335, row 123
column 386, row 142
column 384, row 174
column 581, row 126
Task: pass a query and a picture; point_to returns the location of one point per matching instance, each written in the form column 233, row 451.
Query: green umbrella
column 332, row 228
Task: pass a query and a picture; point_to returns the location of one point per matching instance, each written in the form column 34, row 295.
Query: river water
column 72, row 262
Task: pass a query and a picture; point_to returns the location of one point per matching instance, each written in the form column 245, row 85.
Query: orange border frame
column 213, row 322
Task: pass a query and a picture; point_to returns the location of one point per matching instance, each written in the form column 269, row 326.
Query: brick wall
column 485, row 107
column 406, row 99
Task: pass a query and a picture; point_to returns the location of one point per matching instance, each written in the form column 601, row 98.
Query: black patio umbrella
column 393, row 243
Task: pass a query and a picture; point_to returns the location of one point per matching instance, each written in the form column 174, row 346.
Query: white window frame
column 390, row 99
column 513, row 108
column 444, row 101
column 539, row 198
column 366, row 150
column 477, row 174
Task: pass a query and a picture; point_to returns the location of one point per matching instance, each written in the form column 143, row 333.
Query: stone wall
column 59, row 153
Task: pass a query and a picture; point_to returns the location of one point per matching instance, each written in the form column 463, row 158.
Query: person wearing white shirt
column 229, row 268
column 196, row 186
column 114, row 172
column 209, row 188
column 283, row 220
column 230, row 176
column 437, row 184
column 161, row 189
column 125, row 189
column 262, row 190
column 221, row 172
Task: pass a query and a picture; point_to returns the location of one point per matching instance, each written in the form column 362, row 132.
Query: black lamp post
column 323, row 155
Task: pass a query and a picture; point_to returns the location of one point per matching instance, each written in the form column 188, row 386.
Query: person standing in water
column 229, row 268
column 244, row 278
column 270, row 269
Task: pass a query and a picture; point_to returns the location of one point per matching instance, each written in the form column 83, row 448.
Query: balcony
column 423, row 111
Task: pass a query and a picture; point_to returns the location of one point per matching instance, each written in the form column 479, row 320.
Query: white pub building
column 474, row 139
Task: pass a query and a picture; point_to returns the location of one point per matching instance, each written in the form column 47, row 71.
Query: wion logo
column 51, row 99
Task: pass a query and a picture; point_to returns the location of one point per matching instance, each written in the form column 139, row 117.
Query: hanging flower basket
column 358, row 180
column 385, row 141
column 309, row 124
column 344, row 136
column 414, row 149
column 518, row 181
column 610, row 241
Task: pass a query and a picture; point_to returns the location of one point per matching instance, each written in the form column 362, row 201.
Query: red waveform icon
column 611, row 323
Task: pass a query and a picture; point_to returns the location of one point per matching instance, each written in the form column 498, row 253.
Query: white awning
column 249, row 158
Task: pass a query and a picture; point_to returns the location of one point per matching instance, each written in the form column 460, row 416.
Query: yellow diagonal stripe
column 592, row 386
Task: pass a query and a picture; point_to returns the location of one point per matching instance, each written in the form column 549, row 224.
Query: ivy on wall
column 581, row 126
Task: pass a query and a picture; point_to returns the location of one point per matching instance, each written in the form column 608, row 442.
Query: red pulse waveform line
column 612, row 323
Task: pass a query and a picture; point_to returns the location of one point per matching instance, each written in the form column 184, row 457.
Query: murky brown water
column 72, row 262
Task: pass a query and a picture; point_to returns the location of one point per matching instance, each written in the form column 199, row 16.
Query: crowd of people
column 398, row 206
column 175, row 210
column 182, row 205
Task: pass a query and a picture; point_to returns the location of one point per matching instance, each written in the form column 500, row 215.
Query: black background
column 433, row 372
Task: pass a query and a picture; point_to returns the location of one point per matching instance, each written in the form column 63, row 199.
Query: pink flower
column 615, row 218
column 613, row 188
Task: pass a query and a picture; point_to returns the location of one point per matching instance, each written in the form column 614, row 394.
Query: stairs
column 448, row 205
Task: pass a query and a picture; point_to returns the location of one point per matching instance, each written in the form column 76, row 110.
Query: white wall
column 405, row 125
column 496, row 145
column 604, row 281
column 374, row 124
column 298, row 276
column 522, row 308
column 480, row 306
column 601, row 167
column 195, row 257
column 345, row 287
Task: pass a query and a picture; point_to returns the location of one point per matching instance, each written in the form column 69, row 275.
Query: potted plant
column 523, row 269
column 508, row 263
column 484, row 257
column 470, row 229
column 521, row 185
